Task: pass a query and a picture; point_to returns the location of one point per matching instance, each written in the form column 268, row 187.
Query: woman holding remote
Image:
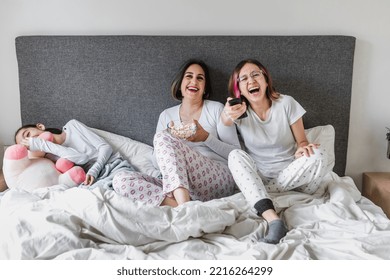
column 278, row 155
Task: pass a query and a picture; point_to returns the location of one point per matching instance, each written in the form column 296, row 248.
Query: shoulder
column 286, row 100
column 75, row 123
column 291, row 107
column 169, row 113
column 170, row 110
column 72, row 122
column 212, row 109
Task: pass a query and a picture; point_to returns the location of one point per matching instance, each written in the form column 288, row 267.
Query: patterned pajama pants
column 303, row 174
column 181, row 166
column 139, row 187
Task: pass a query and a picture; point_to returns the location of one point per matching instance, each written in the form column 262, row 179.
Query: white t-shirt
column 222, row 139
column 271, row 143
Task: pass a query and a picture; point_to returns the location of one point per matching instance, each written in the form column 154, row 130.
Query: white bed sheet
column 59, row 223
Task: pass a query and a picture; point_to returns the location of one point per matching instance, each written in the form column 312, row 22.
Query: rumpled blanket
column 60, row 223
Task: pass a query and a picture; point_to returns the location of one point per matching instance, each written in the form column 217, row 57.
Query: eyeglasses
column 256, row 75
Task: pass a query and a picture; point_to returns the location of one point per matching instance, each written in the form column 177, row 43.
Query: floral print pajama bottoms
column 180, row 166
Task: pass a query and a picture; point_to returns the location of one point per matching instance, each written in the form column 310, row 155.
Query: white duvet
column 60, row 223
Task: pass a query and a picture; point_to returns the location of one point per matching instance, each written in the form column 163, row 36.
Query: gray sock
column 276, row 231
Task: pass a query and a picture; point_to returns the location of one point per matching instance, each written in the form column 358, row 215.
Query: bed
column 118, row 85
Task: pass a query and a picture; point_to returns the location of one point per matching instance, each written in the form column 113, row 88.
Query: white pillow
column 324, row 135
column 136, row 153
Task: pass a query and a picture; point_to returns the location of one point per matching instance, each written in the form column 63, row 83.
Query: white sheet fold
column 61, row 223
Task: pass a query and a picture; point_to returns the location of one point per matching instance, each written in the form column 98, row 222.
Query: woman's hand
column 182, row 130
column 306, row 150
column 200, row 134
column 25, row 142
column 89, row 180
column 232, row 113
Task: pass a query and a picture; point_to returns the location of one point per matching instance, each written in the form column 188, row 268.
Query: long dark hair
column 49, row 129
column 176, row 83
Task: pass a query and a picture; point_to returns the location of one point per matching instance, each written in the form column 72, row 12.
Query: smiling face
column 193, row 83
column 252, row 83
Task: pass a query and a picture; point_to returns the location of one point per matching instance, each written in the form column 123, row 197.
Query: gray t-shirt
column 271, row 142
column 81, row 146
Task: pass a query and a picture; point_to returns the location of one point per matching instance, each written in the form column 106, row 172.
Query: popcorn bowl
column 180, row 129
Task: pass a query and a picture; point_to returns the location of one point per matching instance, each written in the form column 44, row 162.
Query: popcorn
column 182, row 130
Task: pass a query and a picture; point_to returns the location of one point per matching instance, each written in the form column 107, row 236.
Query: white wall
column 367, row 20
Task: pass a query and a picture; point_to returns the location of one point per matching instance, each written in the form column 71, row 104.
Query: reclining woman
column 279, row 157
column 80, row 145
column 193, row 165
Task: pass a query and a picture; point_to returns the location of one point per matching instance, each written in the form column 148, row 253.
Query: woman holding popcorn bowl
column 191, row 144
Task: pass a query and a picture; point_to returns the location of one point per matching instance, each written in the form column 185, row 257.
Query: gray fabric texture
column 121, row 83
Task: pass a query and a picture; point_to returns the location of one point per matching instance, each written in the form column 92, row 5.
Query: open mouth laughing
column 253, row 90
column 192, row 89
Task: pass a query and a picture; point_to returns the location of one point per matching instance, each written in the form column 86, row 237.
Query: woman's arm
column 222, row 145
column 226, row 142
column 104, row 154
column 38, row 144
column 304, row 147
column 85, row 136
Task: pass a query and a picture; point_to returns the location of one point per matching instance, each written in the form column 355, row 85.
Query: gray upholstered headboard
column 121, row 83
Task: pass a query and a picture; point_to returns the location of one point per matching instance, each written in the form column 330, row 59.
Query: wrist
column 226, row 118
column 206, row 136
column 303, row 144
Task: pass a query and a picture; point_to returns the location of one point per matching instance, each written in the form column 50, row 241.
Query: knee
column 161, row 137
column 158, row 136
column 239, row 157
column 124, row 181
column 117, row 179
column 319, row 156
column 236, row 155
column 123, row 176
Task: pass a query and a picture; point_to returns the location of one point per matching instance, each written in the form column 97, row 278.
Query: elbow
column 82, row 160
column 106, row 150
